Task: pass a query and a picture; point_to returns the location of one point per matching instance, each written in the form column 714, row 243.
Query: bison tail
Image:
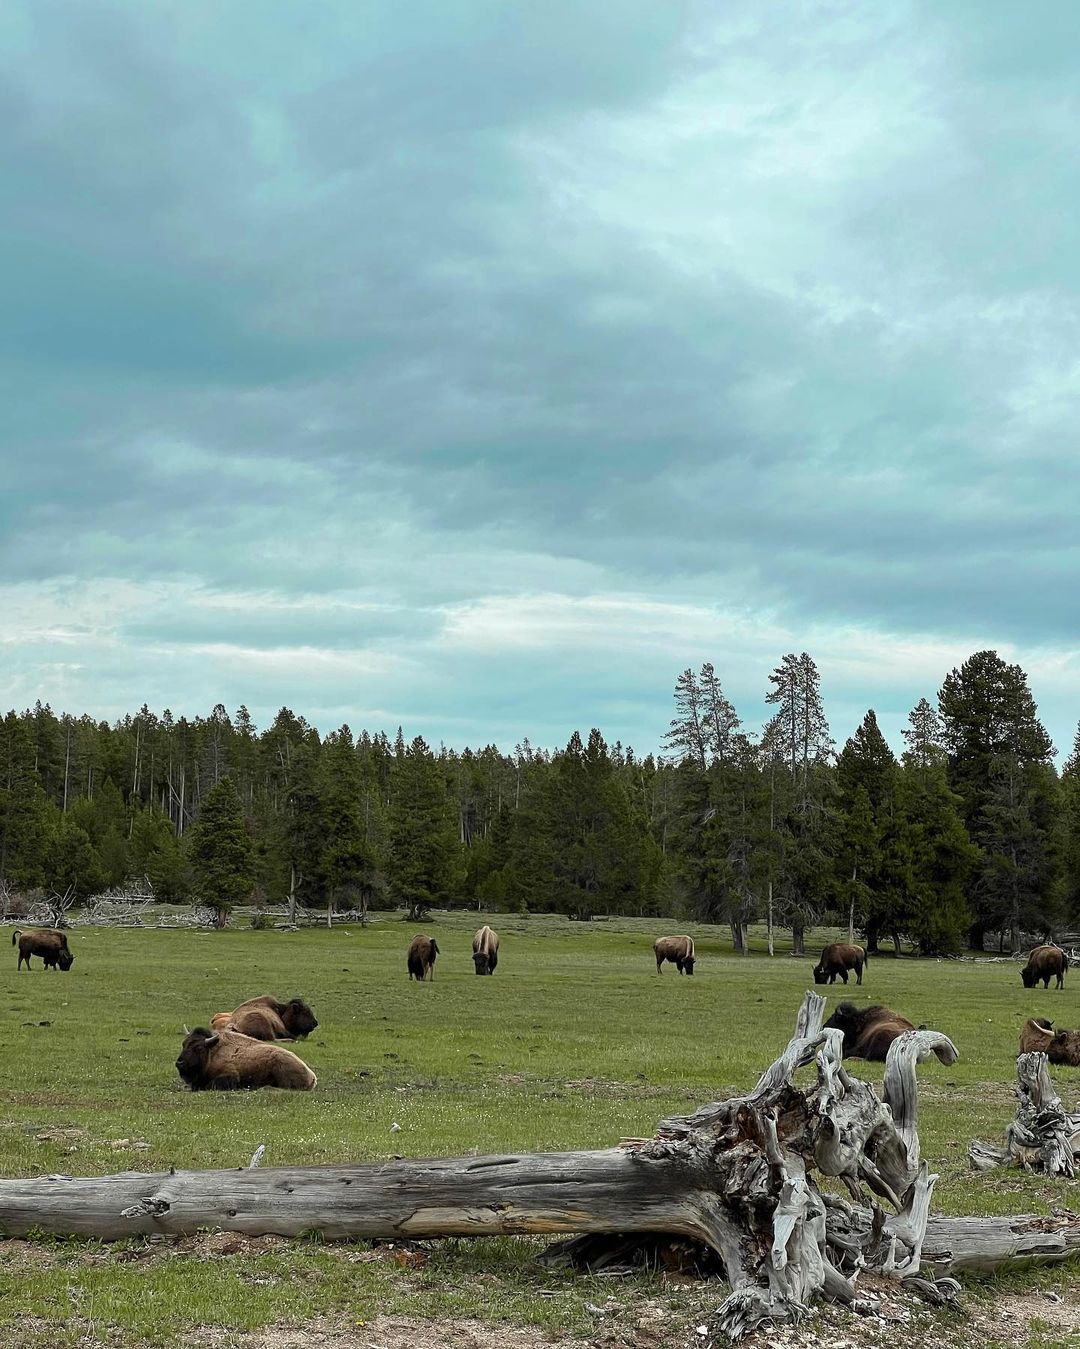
column 865, row 956
column 15, row 936
column 434, row 947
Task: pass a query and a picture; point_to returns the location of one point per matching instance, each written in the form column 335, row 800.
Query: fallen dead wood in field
column 737, row 1176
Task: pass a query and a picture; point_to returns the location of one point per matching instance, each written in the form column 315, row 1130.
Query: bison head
column 1028, row 976
column 64, row 959
column 480, row 960
column 687, row 965
column 298, row 1017
column 194, row 1056
column 819, row 975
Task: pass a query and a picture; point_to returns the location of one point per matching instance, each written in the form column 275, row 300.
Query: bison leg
column 858, row 974
column 843, row 975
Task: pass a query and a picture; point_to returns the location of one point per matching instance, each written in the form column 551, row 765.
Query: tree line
column 970, row 832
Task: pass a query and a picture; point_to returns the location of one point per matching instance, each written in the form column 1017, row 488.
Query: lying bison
column 421, row 957
column 868, row 1031
column 51, row 946
column 267, row 1019
column 485, row 950
column 225, row 1060
column 837, row 959
column 1039, row 1037
column 1045, row 963
column 679, row 950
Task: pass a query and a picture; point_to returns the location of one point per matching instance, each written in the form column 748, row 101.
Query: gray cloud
column 762, row 314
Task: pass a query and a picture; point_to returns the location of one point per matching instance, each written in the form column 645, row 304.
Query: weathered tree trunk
column 615, row 1190
column 769, row 920
column 1043, row 1137
column 296, row 880
column 736, row 1176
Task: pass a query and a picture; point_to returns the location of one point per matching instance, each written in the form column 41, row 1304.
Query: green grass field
column 575, row 1043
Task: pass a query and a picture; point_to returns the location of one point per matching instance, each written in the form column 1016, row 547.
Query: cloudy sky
column 478, row 366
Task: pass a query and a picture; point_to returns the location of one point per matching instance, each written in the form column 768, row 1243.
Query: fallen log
column 737, row 1178
column 953, row 1245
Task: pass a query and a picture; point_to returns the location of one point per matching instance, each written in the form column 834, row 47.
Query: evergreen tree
column 997, row 753
column 923, row 736
column 719, row 721
column 935, row 852
column 866, row 774
column 1070, row 828
column 687, row 733
column 25, row 820
column 221, row 851
column 799, row 733
column 72, row 867
column 427, row 863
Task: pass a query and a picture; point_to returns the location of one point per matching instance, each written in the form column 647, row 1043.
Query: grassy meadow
column 574, row 1043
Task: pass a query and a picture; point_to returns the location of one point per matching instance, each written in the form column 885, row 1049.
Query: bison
column 679, row 950
column 1044, row 963
column 267, row 1019
column 485, row 950
column 225, row 1060
column 1039, row 1037
column 837, row 959
column 868, row 1031
column 51, row 946
column 421, row 957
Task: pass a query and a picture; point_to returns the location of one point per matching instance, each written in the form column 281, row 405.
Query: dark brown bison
column 1039, row 1037
column 225, row 1060
column 1045, row 963
column 837, row 959
column 868, row 1031
column 421, row 957
column 51, row 946
column 267, row 1019
column 485, row 950
column 679, row 950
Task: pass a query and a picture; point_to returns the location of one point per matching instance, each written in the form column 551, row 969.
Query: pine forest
column 970, row 838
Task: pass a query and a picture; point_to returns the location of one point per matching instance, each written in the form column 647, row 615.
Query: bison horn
column 212, row 1039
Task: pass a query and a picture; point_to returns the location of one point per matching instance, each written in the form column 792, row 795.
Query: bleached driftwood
column 737, row 1176
column 1043, row 1136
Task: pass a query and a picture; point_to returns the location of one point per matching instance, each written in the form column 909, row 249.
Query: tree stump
column 1044, row 1136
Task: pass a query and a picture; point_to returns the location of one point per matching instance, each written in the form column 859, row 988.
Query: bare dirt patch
column 383, row 1332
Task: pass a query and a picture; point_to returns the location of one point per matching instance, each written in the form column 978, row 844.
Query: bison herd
column 242, row 1049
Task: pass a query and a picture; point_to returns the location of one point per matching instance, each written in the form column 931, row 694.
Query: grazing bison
column 1044, row 963
column 679, row 950
column 1039, row 1037
column 267, row 1019
column 485, row 950
column 51, row 946
column 868, row 1031
column 837, row 959
column 421, row 957
column 225, row 1060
